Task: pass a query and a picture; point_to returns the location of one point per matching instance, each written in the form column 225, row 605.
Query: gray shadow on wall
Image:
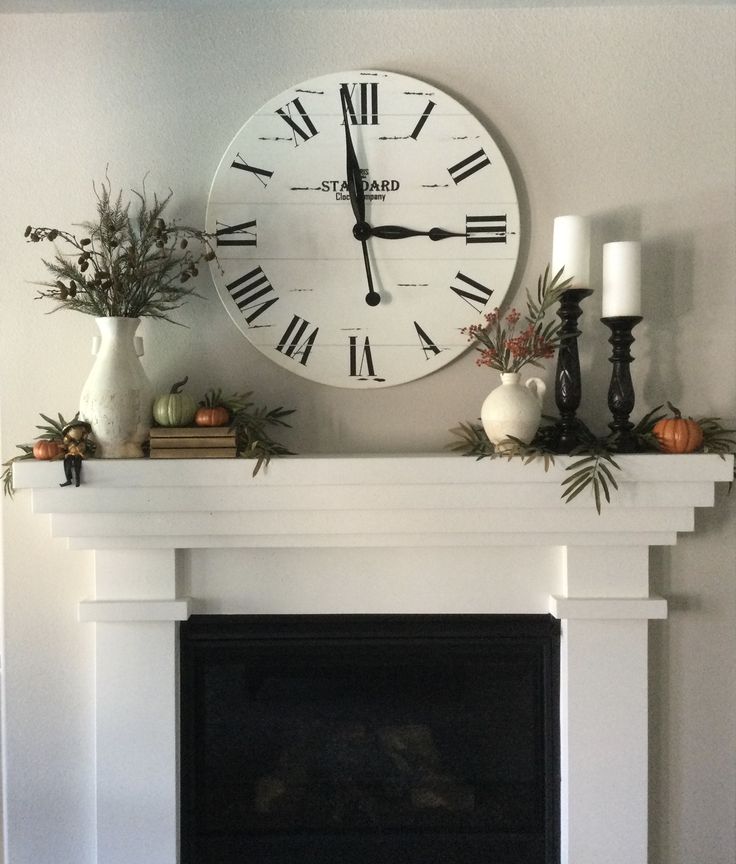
column 667, row 280
column 595, row 349
column 522, row 195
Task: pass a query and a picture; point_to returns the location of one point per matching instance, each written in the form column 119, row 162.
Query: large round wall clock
column 362, row 219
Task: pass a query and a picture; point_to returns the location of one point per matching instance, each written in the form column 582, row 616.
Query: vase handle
column 537, row 387
column 137, row 341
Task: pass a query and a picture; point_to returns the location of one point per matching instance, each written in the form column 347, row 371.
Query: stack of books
column 192, row 442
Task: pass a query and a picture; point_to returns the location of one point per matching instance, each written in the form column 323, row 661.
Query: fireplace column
column 605, row 607
column 136, row 615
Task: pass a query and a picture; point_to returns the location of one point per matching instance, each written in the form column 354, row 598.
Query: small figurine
column 75, row 447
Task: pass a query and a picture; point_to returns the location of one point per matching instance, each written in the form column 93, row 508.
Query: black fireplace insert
column 370, row 739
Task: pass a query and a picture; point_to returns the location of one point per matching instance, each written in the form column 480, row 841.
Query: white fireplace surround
column 371, row 534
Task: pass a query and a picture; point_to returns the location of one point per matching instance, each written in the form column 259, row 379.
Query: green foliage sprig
column 596, row 464
column 473, row 441
column 126, row 264
column 51, row 430
column 502, row 346
column 592, row 470
column 716, row 438
column 7, row 475
column 250, row 424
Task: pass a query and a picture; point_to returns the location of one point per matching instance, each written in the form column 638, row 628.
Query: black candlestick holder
column 568, row 387
column 621, row 390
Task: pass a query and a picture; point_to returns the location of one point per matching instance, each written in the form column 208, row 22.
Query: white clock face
column 386, row 306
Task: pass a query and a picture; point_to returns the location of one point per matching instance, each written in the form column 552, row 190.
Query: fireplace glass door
column 383, row 739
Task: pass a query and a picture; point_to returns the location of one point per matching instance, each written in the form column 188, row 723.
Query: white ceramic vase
column 117, row 397
column 513, row 409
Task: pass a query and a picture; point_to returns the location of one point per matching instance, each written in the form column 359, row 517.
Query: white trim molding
column 359, row 534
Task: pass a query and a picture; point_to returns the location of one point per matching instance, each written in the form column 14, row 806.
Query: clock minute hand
column 361, row 230
column 354, row 177
column 396, row 232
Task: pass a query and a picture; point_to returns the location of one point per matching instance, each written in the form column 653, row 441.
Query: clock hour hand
column 361, row 230
column 396, row 232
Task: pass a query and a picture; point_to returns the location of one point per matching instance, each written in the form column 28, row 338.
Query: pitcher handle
column 537, row 387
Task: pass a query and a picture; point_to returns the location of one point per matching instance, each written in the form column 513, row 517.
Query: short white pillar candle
column 571, row 249
column 621, row 279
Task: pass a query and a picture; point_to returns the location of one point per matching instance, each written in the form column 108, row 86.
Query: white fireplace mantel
column 431, row 533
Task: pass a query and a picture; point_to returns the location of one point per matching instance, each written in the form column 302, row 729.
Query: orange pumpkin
column 44, row 449
column 678, row 434
column 218, row 416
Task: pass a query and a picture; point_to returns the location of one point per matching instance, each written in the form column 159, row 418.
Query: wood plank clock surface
column 296, row 272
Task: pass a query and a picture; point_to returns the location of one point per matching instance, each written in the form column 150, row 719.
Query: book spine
column 193, row 453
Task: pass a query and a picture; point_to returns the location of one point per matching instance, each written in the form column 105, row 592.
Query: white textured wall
column 627, row 114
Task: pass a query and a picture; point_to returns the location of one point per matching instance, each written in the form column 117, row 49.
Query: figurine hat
column 75, row 424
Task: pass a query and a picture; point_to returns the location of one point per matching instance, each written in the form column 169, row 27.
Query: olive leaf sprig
column 7, row 474
column 250, row 423
column 716, row 438
column 548, row 294
column 252, row 438
column 215, row 398
column 593, row 469
column 596, row 464
column 474, row 442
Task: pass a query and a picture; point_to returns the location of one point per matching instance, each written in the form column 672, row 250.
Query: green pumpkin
column 174, row 408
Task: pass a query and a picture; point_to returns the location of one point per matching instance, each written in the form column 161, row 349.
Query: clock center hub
column 361, row 231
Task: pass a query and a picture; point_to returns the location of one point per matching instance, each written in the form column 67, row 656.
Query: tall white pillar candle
column 621, row 279
column 571, row 249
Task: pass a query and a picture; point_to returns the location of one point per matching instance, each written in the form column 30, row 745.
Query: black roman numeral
column 422, row 120
column 479, row 294
column 426, row 343
column 361, row 367
column 469, row 166
column 296, row 342
column 224, row 235
column 261, row 173
column 361, row 101
column 248, row 290
column 485, row 229
column 306, row 130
